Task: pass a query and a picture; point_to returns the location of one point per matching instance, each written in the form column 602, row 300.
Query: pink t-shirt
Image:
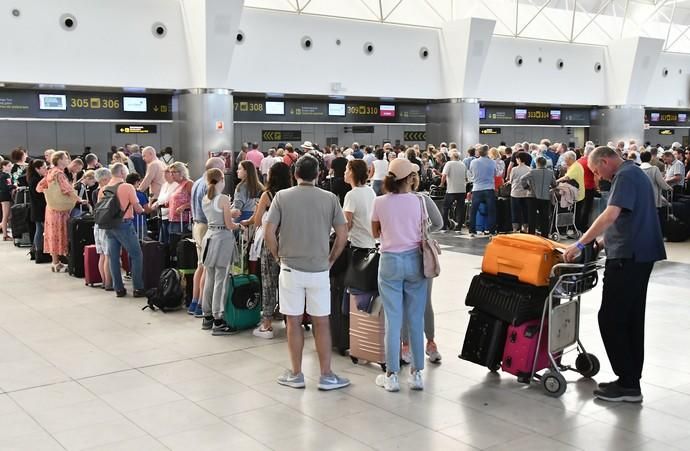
column 400, row 216
column 255, row 156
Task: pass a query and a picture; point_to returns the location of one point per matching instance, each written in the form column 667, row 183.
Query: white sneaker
column 390, row 383
column 259, row 332
column 406, row 355
column 416, row 381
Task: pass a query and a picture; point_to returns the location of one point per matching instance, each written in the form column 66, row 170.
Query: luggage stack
column 508, row 299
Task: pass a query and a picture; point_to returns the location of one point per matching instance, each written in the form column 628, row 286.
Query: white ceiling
column 579, row 21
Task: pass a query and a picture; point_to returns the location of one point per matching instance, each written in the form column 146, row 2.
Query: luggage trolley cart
column 562, row 314
column 563, row 217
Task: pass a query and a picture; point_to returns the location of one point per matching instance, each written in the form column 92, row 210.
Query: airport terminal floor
column 81, row 369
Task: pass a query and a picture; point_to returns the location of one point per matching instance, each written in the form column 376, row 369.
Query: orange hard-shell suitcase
column 529, row 258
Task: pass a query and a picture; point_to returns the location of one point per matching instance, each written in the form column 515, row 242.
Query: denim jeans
column 377, row 186
column 38, row 237
column 163, row 232
column 489, row 197
column 124, row 235
column 403, row 290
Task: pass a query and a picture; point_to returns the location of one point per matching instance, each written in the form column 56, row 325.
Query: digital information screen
column 52, row 101
column 275, row 108
column 520, row 114
column 682, row 117
column 654, row 117
column 336, row 109
column 555, row 115
column 482, row 113
column 134, row 104
column 387, row 110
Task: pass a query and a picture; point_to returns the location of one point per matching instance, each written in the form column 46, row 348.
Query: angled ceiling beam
column 440, row 16
column 670, row 25
column 535, row 16
column 392, row 10
column 572, row 23
column 373, row 13
column 546, row 16
column 380, row 11
column 293, row 6
column 625, row 18
column 496, row 16
column 592, row 19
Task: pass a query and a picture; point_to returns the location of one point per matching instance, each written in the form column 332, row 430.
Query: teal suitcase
column 243, row 301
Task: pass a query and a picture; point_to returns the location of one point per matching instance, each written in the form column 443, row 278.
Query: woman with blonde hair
column 180, row 201
column 500, row 166
column 218, row 248
column 60, row 199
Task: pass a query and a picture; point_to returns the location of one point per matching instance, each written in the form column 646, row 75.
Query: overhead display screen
column 256, row 109
column 387, row 111
column 482, row 113
column 134, row 104
column 555, row 115
column 529, row 115
column 52, row 102
column 275, row 108
column 520, row 114
column 682, row 117
column 336, row 109
column 654, row 117
column 16, row 103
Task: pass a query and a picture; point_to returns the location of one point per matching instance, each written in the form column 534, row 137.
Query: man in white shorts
column 305, row 215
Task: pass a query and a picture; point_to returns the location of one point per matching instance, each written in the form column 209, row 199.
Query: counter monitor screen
column 277, row 108
column 654, row 117
column 336, row 109
column 482, row 113
column 134, row 104
column 555, row 115
column 52, row 101
column 387, row 111
column 682, row 117
column 520, row 113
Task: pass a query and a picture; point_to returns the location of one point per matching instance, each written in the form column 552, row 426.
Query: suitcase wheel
column 495, row 367
column 587, row 364
column 554, row 384
column 355, row 360
column 383, row 367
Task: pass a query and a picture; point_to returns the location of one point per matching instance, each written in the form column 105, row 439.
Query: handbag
column 430, row 247
column 56, row 199
column 363, row 271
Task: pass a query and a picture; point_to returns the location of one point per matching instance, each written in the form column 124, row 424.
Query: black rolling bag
column 80, row 235
column 340, row 320
column 484, row 340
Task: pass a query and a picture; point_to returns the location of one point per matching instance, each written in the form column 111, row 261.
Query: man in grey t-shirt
column 305, row 214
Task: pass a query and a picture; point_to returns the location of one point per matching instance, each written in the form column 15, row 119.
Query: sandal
column 57, row 267
column 7, row 238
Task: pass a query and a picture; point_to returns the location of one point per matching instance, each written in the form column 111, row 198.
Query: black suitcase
column 484, row 340
column 174, row 239
column 681, row 210
column 503, row 219
column 676, row 230
column 186, row 257
column 155, row 258
column 19, row 219
column 506, row 299
column 80, row 235
column 340, row 320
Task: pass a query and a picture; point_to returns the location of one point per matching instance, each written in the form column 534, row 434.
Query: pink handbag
column 430, row 247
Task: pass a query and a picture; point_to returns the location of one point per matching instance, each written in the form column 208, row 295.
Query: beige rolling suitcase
column 367, row 334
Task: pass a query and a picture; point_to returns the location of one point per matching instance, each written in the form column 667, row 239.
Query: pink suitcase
column 521, row 348
column 367, row 334
column 91, row 274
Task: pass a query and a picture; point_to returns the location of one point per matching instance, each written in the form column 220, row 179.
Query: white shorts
column 101, row 241
column 297, row 288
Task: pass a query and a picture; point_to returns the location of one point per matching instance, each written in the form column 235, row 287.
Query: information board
column 523, row 115
column 52, row 104
column 668, row 118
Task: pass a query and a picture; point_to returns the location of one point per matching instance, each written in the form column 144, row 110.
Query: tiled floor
column 80, row 369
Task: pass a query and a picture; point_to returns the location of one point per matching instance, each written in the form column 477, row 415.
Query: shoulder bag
column 56, row 199
column 430, row 248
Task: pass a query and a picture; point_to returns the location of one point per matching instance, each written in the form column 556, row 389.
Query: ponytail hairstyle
column 34, row 166
column 213, row 177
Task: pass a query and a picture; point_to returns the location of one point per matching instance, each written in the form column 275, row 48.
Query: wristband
column 580, row 245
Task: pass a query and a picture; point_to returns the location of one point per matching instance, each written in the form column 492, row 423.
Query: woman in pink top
column 397, row 219
column 180, row 201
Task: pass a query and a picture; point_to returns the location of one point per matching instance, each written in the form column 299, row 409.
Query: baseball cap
column 401, row 168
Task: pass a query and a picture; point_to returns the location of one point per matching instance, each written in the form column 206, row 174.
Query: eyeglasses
column 174, row 172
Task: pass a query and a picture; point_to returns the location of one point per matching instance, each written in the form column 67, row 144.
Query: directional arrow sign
column 419, row 136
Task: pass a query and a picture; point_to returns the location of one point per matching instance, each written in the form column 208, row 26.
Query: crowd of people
column 289, row 200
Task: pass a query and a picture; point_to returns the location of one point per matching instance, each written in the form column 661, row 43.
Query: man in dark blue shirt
column 633, row 240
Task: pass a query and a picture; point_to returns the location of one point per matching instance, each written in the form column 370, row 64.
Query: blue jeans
column 489, row 197
column 403, row 290
column 124, row 235
column 178, row 227
column 377, row 186
column 38, row 237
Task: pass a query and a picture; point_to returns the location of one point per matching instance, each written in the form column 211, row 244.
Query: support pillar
column 453, row 120
column 615, row 123
column 203, row 118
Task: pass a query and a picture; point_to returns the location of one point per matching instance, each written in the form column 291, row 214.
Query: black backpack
column 168, row 295
column 108, row 212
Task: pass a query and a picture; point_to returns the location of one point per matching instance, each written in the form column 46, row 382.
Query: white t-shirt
column 675, row 168
column 380, row 169
column 359, row 201
column 456, row 176
column 369, row 158
column 266, row 164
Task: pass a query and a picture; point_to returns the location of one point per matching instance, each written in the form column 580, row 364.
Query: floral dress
column 55, row 226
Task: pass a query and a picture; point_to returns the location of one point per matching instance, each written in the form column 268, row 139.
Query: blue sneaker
column 198, row 313
column 192, row 308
